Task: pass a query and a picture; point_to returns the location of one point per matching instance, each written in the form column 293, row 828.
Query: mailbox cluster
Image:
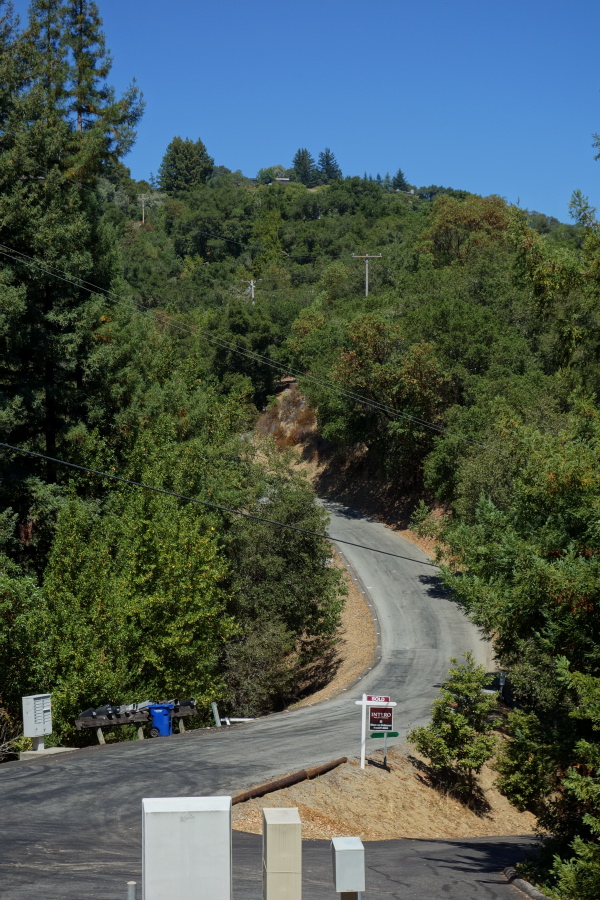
column 159, row 716
column 37, row 718
column 196, row 831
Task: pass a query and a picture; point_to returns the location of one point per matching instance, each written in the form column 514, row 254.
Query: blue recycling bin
column 160, row 713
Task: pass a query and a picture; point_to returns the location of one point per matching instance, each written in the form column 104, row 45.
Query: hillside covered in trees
column 145, row 325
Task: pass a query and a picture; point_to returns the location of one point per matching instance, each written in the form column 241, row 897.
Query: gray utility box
column 37, row 715
column 348, row 864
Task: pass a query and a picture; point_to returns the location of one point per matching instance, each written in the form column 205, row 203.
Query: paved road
column 69, row 819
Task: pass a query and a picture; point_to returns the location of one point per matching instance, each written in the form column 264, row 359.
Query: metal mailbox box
column 348, row 856
column 37, row 715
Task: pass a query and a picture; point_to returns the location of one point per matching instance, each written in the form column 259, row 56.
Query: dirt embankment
column 293, row 424
column 377, row 804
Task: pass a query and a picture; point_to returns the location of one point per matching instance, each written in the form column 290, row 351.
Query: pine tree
column 305, row 168
column 399, row 182
column 185, row 165
column 328, row 166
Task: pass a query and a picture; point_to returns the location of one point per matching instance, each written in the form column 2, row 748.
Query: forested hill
column 475, row 361
column 144, row 326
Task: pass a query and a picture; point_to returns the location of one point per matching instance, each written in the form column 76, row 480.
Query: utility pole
column 142, row 199
column 366, row 259
column 251, row 282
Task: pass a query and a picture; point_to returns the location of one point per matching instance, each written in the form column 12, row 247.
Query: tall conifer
column 329, row 169
column 185, row 165
column 49, row 213
column 304, row 166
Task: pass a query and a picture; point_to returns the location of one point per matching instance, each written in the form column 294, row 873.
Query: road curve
column 58, row 810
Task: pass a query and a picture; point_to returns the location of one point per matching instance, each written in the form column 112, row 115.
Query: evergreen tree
column 185, row 165
column 328, row 167
column 399, row 182
column 90, row 65
column 90, row 100
column 12, row 68
column 49, row 212
column 305, row 168
column 458, row 740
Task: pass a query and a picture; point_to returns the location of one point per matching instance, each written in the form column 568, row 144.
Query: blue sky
column 494, row 98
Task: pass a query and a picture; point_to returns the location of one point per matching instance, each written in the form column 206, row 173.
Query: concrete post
column 282, row 854
column 131, row 885
column 186, row 848
column 348, row 858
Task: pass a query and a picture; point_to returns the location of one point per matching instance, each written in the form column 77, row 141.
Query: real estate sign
column 381, row 718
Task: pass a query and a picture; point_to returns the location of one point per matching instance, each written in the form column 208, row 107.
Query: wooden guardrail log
column 270, row 787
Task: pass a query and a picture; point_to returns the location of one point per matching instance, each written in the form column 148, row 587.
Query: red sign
column 381, row 718
column 373, row 698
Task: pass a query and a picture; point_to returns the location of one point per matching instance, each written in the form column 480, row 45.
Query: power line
column 220, row 342
column 236, row 512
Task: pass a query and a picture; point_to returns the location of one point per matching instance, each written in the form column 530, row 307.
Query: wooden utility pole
column 366, row 259
column 142, row 199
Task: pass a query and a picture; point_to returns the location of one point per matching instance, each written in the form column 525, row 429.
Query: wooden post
column 181, row 727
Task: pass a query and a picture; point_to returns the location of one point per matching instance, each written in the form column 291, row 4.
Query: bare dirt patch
column 376, row 804
column 293, row 424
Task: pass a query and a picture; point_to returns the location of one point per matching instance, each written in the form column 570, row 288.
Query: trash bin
column 162, row 723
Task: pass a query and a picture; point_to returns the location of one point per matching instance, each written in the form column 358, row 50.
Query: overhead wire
column 82, row 284
column 236, row 512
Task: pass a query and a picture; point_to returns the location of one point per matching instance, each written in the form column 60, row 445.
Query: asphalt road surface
column 71, row 824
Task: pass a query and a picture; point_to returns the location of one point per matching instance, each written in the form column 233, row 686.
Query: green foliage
column 305, row 168
column 461, row 227
column 399, row 182
column 23, row 631
column 405, row 384
column 328, row 167
column 524, row 763
column 185, row 165
column 135, row 607
column 457, row 742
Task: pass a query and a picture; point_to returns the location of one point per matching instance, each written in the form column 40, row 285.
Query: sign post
column 383, row 705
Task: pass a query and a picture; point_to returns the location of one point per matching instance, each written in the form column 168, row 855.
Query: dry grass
column 376, row 804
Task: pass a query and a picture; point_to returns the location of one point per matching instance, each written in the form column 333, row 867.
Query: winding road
column 71, row 823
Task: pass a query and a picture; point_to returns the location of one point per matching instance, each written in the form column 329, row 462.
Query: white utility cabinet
column 348, row 856
column 186, row 848
column 37, row 718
